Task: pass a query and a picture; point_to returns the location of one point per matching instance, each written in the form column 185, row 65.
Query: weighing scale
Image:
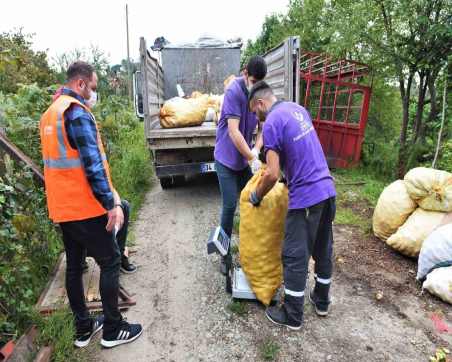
column 236, row 282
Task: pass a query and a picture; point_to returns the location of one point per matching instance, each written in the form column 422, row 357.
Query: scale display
column 218, row 242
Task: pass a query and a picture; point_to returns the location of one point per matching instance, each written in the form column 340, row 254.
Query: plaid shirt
column 82, row 135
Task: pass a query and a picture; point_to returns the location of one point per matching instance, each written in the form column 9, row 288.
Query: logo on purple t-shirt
column 305, row 127
column 288, row 130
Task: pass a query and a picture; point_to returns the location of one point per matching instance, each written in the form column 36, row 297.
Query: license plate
column 207, row 167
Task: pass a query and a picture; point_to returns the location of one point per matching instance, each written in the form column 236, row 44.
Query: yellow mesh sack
column 393, row 208
column 180, row 112
column 430, row 188
column 261, row 237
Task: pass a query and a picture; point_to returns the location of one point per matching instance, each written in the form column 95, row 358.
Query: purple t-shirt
column 235, row 105
column 288, row 131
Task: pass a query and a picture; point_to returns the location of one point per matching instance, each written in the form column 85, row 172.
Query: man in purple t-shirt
column 291, row 144
column 233, row 150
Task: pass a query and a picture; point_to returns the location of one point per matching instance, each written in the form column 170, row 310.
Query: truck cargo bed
column 184, row 137
column 207, row 129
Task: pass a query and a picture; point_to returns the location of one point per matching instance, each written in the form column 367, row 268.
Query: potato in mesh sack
column 180, row 112
column 430, row 188
column 261, row 237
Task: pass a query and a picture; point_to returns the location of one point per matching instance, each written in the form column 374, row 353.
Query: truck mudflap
column 184, row 169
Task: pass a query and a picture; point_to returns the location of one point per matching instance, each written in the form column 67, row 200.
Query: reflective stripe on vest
column 61, row 145
column 63, row 162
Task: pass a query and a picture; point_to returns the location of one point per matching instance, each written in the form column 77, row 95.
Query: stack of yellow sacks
column 409, row 210
column 193, row 111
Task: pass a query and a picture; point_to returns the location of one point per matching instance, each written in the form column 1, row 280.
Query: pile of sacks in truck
column 194, row 110
column 414, row 217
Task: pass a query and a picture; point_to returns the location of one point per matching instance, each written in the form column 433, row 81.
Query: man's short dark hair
column 257, row 67
column 79, row 69
column 260, row 89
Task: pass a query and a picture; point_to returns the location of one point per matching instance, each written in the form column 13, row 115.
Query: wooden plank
column 25, row 348
column 44, row 354
column 88, row 278
column 93, row 291
column 18, row 155
column 54, row 294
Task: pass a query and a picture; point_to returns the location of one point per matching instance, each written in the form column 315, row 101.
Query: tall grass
column 131, row 168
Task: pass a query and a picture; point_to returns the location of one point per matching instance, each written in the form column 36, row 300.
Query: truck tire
column 169, row 182
column 166, row 182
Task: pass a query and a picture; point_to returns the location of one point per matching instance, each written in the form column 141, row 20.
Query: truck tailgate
column 186, row 137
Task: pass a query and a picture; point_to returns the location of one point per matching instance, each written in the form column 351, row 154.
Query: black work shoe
column 83, row 339
column 321, row 308
column 126, row 266
column 278, row 315
column 126, row 333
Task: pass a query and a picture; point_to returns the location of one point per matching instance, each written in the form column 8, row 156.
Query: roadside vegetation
column 29, row 243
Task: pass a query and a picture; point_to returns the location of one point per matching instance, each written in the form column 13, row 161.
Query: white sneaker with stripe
column 127, row 333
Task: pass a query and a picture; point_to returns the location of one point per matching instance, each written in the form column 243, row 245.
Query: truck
column 180, row 152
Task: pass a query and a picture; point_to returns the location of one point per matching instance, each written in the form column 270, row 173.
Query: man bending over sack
column 291, row 141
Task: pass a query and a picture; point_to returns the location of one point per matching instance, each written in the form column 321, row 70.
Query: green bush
column 29, row 246
column 445, row 158
column 20, row 114
column 121, row 131
column 123, row 137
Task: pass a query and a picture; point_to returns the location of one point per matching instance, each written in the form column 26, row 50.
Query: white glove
column 255, row 152
column 255, row 164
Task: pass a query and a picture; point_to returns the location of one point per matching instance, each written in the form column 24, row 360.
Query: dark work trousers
column 231, row 185
column 309, row 232
column 91, row 236
column 121, row 237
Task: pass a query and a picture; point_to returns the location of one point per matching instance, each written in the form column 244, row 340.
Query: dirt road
column 184, row 309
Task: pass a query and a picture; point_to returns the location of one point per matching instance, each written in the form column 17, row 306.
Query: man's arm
column 271, row 175
column 238, row 140
column 82, row 130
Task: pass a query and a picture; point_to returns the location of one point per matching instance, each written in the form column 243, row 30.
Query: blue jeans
column 231, row 185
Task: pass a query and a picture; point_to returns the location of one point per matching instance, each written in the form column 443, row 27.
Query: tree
column 407, row 42
column 271, row 33
column 112, row 79
column 19, row 64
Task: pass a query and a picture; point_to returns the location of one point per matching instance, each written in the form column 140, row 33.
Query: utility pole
column 129, row 70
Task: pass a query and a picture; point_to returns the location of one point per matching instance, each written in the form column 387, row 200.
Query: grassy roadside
column 357, row 194
column 131, row 168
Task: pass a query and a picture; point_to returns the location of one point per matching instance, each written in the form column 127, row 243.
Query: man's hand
column 255, row 199
column 115, row 218
column 254, row 163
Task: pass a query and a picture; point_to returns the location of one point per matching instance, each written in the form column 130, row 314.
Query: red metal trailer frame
column 338, row 99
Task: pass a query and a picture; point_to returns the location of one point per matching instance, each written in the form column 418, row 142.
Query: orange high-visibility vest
column 69, row 195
